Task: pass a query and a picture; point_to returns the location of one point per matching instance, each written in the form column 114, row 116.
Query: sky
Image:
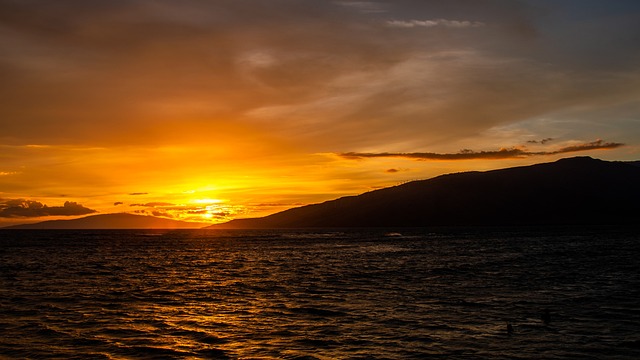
column 213, row 110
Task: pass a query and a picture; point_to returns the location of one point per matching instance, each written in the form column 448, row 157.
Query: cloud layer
column 324, row 74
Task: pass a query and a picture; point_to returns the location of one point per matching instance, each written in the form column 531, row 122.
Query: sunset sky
column 213, row 110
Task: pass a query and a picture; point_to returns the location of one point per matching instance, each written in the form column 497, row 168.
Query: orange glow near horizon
column 160, row 183
column 146, row 108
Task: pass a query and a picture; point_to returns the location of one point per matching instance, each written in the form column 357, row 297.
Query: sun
column 208, row 207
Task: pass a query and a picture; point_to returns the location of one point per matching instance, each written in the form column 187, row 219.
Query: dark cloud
column 594, row 145
column 29, row 208
column 504, row 153
column 543, row 141
column 155, row 212
column 138, row 193
column 161, row 214
column 391, row 171
column 117, row 203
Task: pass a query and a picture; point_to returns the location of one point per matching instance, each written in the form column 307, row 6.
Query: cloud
column 117, row 203
column 594, row 145
column 543, row 141
column 154, row 204
column 157, row 213
column 29, row 208
column 138, row 193
column 434, row 23
column 503, row 153
column 278, row 204
column 161, row 214
column 391, row 171
column 365, row 6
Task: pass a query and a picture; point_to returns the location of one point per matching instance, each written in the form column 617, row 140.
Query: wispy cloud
column 503, row 153
column 434, row 23
column 138, row 193
column 13, row 208
column 154, row 204
column 367, row 7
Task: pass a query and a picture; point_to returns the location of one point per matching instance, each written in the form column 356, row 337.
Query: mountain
column 112, row 221
column 575, row 191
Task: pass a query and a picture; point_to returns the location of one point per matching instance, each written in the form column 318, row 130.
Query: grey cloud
column 434, row 23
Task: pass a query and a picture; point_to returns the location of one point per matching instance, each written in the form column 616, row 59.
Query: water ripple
column 446, row 293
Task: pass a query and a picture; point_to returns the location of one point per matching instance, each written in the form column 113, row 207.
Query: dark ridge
column 112, row 221
column 571, row 191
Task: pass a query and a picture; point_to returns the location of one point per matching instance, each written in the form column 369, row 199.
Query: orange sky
column 209, row 111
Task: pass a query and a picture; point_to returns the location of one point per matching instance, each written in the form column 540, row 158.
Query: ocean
column 454, row 293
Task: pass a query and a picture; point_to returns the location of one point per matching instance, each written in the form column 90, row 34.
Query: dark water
column 320, row 294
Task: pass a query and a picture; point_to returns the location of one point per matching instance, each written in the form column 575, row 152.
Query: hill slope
column 577, row 190
column 112, row 221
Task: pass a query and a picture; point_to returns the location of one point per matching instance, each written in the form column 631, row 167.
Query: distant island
column 572, row 191
column 112, row 221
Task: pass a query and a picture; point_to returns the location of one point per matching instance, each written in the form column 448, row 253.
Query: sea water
column 321, row 294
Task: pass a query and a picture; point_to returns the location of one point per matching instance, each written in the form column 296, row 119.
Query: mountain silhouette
column 570, row 191
column 112, row 221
